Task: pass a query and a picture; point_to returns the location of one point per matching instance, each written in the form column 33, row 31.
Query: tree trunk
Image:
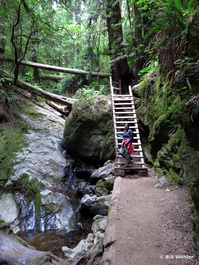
column 55, row 78
column 62, row 109
column 138, row 40
column 63, row 69
column 2, row 30
column 35, row 69
column 120, row 68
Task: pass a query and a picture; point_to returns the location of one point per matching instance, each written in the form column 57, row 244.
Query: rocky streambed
column 55, row 202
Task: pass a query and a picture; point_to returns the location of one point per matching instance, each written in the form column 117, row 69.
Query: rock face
column 40, row 199
column 169, row 118
column 42, row 157
column 88, row 132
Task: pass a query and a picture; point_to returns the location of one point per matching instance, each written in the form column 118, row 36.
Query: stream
column 48, row 189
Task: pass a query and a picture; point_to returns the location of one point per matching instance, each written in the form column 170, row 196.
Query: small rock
column 161, row 183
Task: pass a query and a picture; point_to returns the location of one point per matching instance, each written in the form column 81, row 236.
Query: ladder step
column 135, row 126
column 137, row 150
column 133, row 163
column 135, row 144
column 123, row 105
column 122, row 96
column 119, row 131
column 124, row 122
column 135, row 137
column 124, row 112
column 123, row 100
column 126, row 108
column 133, row 167
column 128, row 117
column 135, row 130
column 133, row 156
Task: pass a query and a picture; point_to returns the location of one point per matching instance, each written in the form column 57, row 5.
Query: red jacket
column 130, row 146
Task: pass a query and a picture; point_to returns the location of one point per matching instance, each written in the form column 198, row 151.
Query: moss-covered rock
column 172, row 122
column 88, row 130
column 104, row 186
column 11, row 141
column 168, row 109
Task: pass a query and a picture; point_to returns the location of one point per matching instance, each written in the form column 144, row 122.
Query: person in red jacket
column 127, row 143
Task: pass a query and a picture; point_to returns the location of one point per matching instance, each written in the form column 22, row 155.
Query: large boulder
column 88, row 130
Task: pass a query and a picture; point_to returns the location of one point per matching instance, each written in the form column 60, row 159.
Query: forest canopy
column 121, row 37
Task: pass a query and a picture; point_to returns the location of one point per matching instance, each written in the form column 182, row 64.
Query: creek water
column 53, row 241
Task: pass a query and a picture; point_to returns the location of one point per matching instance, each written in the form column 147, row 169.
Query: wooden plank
column 123, row 122
column 134, row 138
column 123, row 116
column 124, row 112
column 126, row 108
column 123, row 102
column 131, row 168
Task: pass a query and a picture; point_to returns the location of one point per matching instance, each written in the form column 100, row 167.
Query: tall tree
column 2, row 31
column 120, row 68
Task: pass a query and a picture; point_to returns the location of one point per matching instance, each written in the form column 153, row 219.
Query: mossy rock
column 30, row 188
column 11, row 142
column 168, row 161
column 88, row 130
column 104, row 186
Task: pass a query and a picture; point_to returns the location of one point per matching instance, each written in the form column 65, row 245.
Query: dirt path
column 149, row 224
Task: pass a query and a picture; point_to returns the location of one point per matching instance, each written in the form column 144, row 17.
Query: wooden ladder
column 124, row 112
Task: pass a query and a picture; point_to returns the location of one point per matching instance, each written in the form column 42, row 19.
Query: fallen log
column 40, row 92
column 55, row 78
column 59, row 68
column 63, row 109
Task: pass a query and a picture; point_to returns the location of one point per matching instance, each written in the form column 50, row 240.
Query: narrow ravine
column 54, row 202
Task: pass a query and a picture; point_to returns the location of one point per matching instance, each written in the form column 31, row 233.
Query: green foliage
column 92, row 90
column 28, row 77
column 11, row 142
column 151, row 67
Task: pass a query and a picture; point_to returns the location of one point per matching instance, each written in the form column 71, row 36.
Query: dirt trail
column 149, row 225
